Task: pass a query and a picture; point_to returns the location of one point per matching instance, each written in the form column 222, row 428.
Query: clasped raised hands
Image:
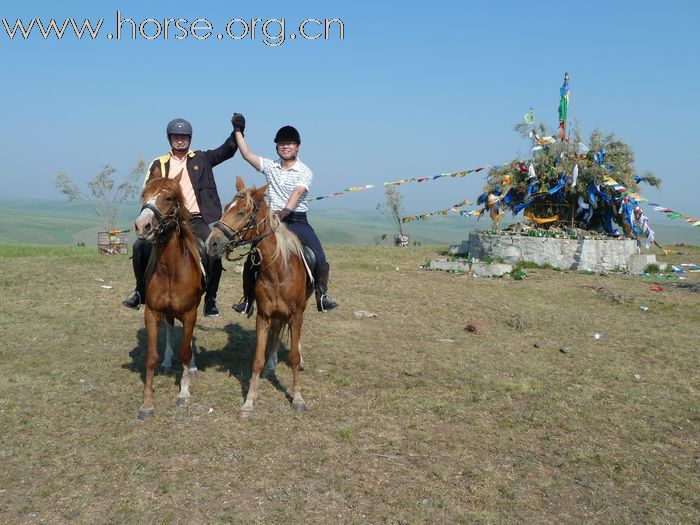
column 238, row 122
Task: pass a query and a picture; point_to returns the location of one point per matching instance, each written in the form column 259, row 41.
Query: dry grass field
column 411, row 418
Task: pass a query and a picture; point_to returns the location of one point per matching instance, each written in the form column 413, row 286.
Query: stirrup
column 134, row 300
column 325, row 303
column 244, row 306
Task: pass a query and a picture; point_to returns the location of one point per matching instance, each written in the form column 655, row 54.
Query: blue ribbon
column 608, row 224
column 555, row 189
column 597, row 193
column 598, row 157
column 508, row 197
column 524, row 204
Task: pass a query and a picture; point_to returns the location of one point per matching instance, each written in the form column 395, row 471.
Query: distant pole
column 563, row 104
column 573, row 212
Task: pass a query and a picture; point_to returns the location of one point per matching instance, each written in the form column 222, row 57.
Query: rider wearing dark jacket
column 202, row 201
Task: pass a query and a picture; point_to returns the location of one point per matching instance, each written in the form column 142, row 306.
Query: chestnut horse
column 281, row 289
column 173, row 279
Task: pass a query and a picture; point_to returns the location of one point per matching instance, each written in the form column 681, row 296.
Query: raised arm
column 224, row 152
column 238, row 126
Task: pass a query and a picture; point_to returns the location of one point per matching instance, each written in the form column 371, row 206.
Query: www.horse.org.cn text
column 269, row 31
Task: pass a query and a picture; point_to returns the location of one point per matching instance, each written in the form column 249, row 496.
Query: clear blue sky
column 414, row 89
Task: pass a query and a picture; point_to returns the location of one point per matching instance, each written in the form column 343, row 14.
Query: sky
column 413, row 89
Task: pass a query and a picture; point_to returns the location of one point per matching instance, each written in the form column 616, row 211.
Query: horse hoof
column 193, row 372
column 146, row 413
column 184, row 401
column 245, row 415
column 299, row 406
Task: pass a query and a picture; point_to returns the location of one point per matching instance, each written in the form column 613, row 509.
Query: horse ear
column 178, row 177
column 155, row 174
column 260, row 192
column 239, row 184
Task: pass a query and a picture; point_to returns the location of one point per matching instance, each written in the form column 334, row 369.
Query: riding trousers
column 299, row 225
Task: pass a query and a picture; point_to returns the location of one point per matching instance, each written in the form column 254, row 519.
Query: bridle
column 165, row 222
column 237, row 237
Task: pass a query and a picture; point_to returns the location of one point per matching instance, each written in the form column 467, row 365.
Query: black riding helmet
column 179, row 126
column 288, row 134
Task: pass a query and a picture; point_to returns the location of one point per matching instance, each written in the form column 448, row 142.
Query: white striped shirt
column 283, row 181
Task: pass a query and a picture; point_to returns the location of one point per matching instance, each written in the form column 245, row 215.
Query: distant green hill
column 35, row 221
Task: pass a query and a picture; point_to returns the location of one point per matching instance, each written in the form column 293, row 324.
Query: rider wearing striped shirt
column 289, row 182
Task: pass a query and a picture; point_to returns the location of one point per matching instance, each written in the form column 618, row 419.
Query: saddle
column 311, row 263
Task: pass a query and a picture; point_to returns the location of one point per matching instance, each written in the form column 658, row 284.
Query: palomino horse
column 173, row 279
column 281, row 289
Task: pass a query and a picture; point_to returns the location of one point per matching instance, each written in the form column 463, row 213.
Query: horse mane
column 184, row 232
column 287, row 242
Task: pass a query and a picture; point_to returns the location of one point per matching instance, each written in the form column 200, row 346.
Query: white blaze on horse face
column 144, row 222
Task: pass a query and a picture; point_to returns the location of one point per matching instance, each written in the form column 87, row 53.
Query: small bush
column 518, row 273
column 529, row 265
column 652, row 268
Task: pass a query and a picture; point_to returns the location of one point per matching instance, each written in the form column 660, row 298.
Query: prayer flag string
column 425, row 216
column 399, row 182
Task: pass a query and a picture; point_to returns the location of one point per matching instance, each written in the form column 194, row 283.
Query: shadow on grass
column 236, row 357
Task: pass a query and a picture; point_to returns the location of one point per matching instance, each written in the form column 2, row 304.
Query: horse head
column 162, row 206
column 246, row 220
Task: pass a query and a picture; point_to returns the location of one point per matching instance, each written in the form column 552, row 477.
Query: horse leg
column 188, row 321
column 262, row 328
column 167, row 365
column 273, row 344
column 193, row 364
column 298, row 403
column 301, row 357
column 151, row 321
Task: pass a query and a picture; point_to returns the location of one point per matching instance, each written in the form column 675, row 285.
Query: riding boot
column 323, row 302
column 139, row 260
column 246, row 303
column 214, row 269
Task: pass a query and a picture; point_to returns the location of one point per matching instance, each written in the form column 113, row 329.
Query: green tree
column 392, row 207
column 106, row 195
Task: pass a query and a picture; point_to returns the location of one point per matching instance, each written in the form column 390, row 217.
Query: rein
column 235, row 237
column 165, row 222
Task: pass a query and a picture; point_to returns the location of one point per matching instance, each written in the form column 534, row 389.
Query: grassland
column 411, row 418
